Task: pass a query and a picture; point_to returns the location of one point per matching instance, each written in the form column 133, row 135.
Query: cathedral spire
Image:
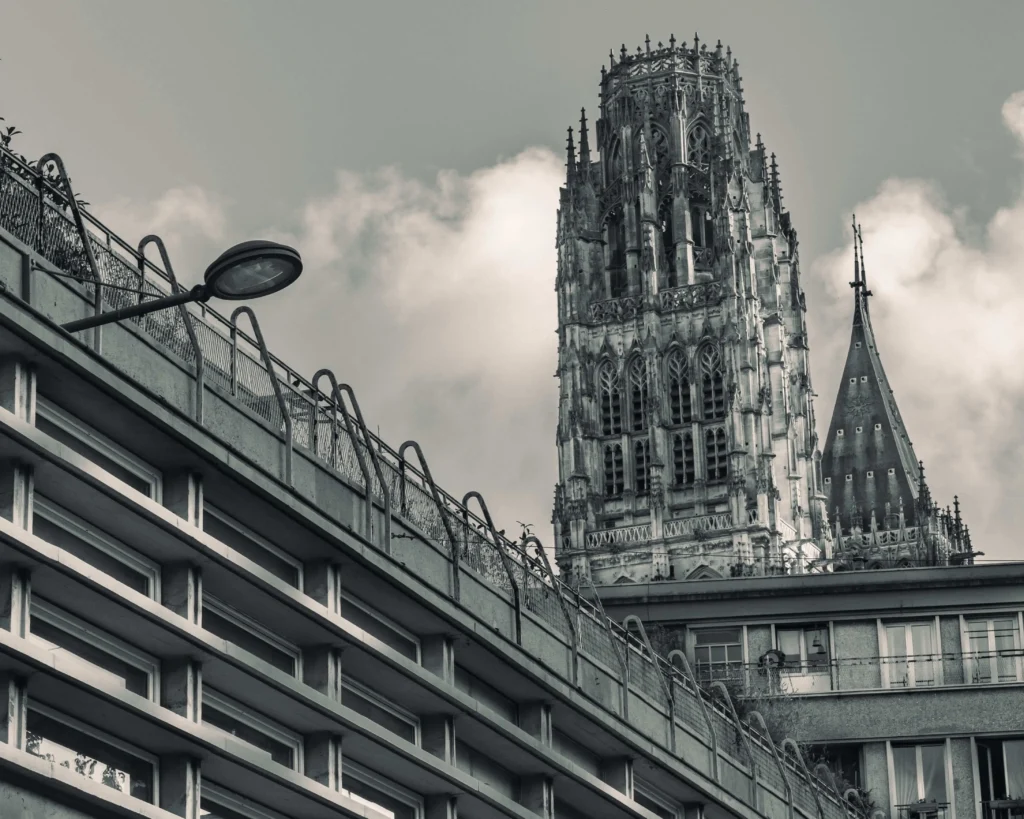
column 570, row 161
column 584, row 145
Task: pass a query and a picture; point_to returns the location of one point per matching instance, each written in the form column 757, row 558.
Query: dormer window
column 839, row 433
column 849, row 478
column 892, row 470
column 860, row 430
column 878, row 427
column 828, row 481
column 871, row 473
column 863, row 379
column 857, row 345
column 853, row 380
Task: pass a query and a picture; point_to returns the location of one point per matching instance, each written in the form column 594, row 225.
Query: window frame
column 110, row 546
column 397, row 711
column 970, row 663
column 947, row 770
column 234, row 802
column 119, row 649
column 258, row 722
column 345, row 598
column 233, row 523
column 374, row 780
column 742, row 643
column 104, row 446
column 102, row 736
column 886, row 652
column 646, row 790
column 261, row 632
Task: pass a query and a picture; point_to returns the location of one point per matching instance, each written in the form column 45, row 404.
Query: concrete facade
column 221, row 596
column 863, row 666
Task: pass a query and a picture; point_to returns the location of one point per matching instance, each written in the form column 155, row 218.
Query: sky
column 413, row 153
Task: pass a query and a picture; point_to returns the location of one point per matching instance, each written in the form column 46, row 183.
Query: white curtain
column 1013, row 756
column 904, row 760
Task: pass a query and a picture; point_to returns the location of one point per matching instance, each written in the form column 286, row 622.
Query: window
column 863, row 379
column 217, row 803
column 104, row 660
column 994, row 650
column 66, row 742
column 85, row 541
column 1001, row 771
column 614, row 472
column 373, row 790
column 698, row 146
column 668, row 242
column 806, row 668
column 679, row 397
column 911, row 656
column 843, row 760
column 487, row 694
column 377, row 625
column 638, row 394
column 246, row 542
column 683, row 459
column 859, row 430
column 919, row 773
column 712, row 384
column 877, row 427
column 703, row 228
column 395, row 719
column 92, row 445
column 840, row 433
column 611, row 400
column 641, row 465
column 718, row 653
column 716, row 453
column 649, row 797
column 246, row 633
column 277, row 742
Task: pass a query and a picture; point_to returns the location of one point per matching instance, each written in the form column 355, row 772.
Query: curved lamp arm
column 438, row 503
column 186, row 317
column 505, row 561
column 268, row 364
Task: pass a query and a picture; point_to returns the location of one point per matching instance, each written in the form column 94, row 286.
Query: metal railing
column 37, row 213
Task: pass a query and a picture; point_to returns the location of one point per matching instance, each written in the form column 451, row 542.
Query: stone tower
column 686, row 437
column 879, row 504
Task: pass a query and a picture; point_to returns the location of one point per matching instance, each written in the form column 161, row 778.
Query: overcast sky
column 413, row 152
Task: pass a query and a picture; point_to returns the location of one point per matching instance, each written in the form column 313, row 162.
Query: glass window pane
column 816, row 640
column 1013, row 757
column 922, row 639
column 382, row 716
column 248, row 547
column 904, row 760
column 85, row 754
column 896, row 637
column 211, row 810
column 933, row 772
column 371, row 625
column 111, row 668
column 243, row 638
column 378, row 799
column 97, row 558
column 789, row 644
column 717, row 636
column 277, row 751
column 75, row 445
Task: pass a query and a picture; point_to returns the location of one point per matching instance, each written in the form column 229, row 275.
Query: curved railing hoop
column 673, row 655
column 786, row 784
column 794, row 749
column 186, row 316
column 375, row 460
column 666, row 686
column 76, row 212
column 556, row 588
column 505, row 562
column 339, row 409
column 265, row 356
column 719, row 686
column 830, row 780
column 453, row 543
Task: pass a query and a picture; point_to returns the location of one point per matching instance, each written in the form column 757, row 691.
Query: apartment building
column 911, row 681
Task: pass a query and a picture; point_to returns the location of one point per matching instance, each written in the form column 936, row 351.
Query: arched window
column 716, row 455
column 683, row 460
column 668, row 242
column 611, row 400
column 638, row 394
column 614, row 474
column 615, row 165
column 702, row 227
column 712, row 385
column 698, row 146
column 679, row 398
column 616, row 225
column 641, row 465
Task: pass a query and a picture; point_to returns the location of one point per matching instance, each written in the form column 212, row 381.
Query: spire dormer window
column 611, row 400
column 614, row 472
column 679, row 396
column 712, row 384
column 717, row 455
column 683, row 461
column 638, row 394
column 641, row 465
column 698, row 147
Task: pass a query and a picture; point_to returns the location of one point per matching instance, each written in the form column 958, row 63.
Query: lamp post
column 246, row 271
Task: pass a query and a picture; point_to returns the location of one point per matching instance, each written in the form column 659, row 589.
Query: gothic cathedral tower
column 686, row 437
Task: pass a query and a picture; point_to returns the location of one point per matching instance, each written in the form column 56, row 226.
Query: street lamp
column 246, row 271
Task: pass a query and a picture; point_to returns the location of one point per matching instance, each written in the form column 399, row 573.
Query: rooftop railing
column 38, row 211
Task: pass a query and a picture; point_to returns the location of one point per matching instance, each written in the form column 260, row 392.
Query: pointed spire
column 672, row 41
column 611, row 58
column 855, row 284
column 775, row 186
column 622, row 53
column 584, row 144
column 647, row 42
column 863, row 270
column 570, row 162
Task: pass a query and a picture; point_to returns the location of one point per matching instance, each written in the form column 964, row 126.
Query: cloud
column 948, row 312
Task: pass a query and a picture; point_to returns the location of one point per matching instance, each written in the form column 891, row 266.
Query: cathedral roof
column 868, row 464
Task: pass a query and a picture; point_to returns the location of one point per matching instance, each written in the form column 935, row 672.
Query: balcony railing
column 923, row 810
column 1003, row 808
column 36, row 214
column 875, row 673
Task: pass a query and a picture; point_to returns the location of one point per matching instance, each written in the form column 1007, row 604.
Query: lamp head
column 252, row 269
